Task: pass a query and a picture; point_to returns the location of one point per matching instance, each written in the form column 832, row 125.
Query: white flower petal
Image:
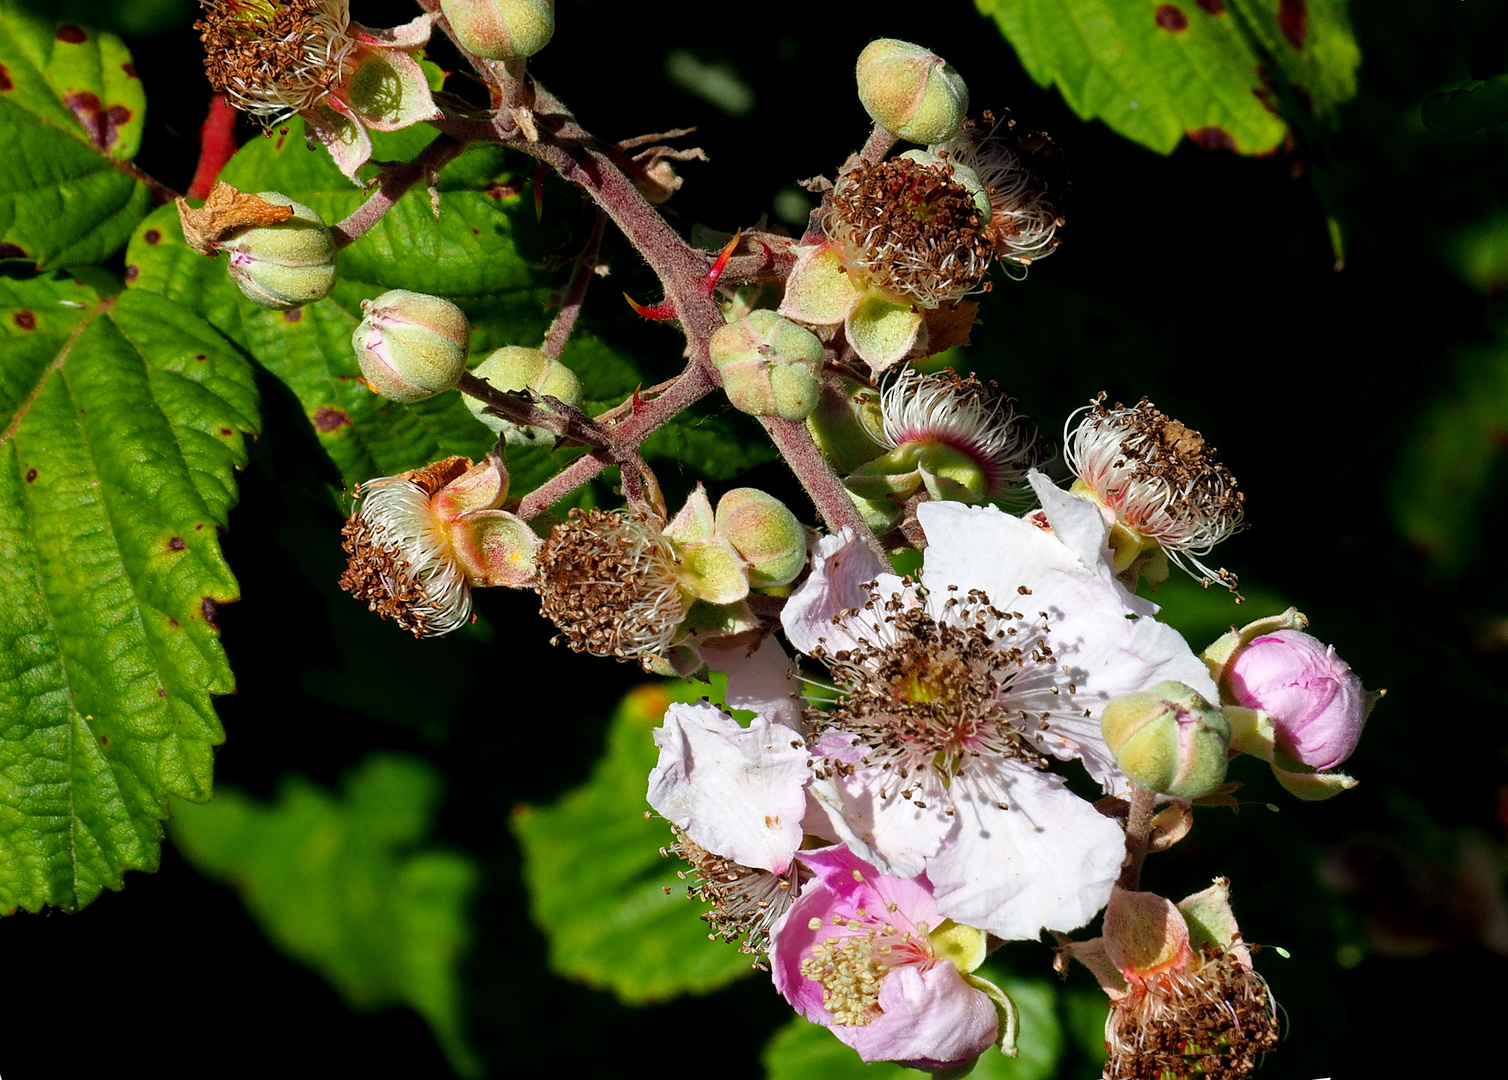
column 891, row 833
column 738, row 792
column 762, row 681
column 1047, row 862
column 842, row 568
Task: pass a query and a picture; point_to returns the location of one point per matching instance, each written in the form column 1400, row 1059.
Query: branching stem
column 1138, row 836
column 395, row 185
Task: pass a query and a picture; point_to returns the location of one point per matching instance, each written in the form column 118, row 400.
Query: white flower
column 735, row 797
column 958, row 692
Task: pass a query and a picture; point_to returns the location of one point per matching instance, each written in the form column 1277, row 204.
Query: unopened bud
column 1315, row 702
column 516, row 368
column 765, row 534
column 911, row 91
column 411, row 346
column 287, row 264
column 501, row 29
column 1168, row 739
column 769, row 365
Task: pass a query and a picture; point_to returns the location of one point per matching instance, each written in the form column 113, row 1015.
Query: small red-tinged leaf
column 217, row 145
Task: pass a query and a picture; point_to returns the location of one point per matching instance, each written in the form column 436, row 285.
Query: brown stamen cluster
column 909, row 228
column 273, row 56
column 746, row 902
column 1211, row 1021
column 609, row 583
column 934, row 693
column 394, row 560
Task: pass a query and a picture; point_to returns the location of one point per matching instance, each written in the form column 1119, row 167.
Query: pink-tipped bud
column 911, row 91
column 286, row 264
column 1315, row 702
column 501, row 29
column 411, row 346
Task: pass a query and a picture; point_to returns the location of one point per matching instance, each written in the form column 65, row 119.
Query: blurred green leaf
column 132, row 17
column 1084, row 1011
column 122, row 422
column 1450, row 463
column 805, row 1051
column 613, row 908
column 343, row 885
column 72, row 110
column 1201, row 614
column 1157, row 72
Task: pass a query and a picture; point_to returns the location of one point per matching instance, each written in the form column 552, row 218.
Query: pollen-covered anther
column 1211, row 1020
column 400, row 559
column 966, row 414
column 910, row 229
column 1022, row 176
column 929, row 694
column 1163, row 482
column 273, row 58
column 746, row 902
column 610, row 583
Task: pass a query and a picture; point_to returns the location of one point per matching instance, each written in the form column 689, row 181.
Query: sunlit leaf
column 123, row 424
column 613, row 908
column 1208, row 70
column 72, row 112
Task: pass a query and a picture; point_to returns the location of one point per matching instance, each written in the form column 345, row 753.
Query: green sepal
column 388, row 90
column 884, row 332
column 819, row 291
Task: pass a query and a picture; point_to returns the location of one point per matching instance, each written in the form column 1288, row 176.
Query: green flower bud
column 501, row 29
column 1168, row 739
column 911, row 91
column 286, row 265
column 411, row 346
column 765, row 534
column 769, row 365
column 514, row 367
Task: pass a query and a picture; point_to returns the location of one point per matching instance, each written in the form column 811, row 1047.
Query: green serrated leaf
column 343, row 885
column 72, row 109
column 805, row 1051
column 598, row 884
column 122, row 422
column 471, row 254
column 1157, row 72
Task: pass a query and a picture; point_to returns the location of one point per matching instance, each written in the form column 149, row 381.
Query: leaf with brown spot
column 225, row 212
column 1156, row 72
column 107, row 403
column 72, row 118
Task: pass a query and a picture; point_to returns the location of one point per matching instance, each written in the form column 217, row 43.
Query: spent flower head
column 1164, row 484
column 1021, row 175
column 274, row 58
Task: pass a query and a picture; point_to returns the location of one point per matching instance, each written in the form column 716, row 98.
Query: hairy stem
column 795, row 444
column 426, row 163
column 515, row 408
column 570, row 303
column 1138, row 836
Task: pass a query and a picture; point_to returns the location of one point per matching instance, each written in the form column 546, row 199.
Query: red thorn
column 217, row 143
column 709, row 282
column 665, row 309
column 539, row 191
column 638, row 401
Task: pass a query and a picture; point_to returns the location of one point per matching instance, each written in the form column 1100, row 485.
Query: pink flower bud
column 1316, row 704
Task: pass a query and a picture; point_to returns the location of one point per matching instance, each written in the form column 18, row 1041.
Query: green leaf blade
column 614, row 909
column 117, row 463
column 71, row 109
column 1157, row 73
column 339, row 884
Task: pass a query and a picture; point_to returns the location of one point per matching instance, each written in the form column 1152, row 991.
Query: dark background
column 1203, row 280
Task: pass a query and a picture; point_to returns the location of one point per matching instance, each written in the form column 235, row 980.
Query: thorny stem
column 795, row 444
column 395, row 185
column 525, row 413
column 570, row 303
column 1138, row 836
column 624, row 438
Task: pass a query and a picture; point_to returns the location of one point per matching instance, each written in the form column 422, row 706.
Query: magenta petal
column 931, row 1019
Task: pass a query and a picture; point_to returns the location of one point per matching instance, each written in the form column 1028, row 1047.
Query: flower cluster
column 868, row 846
